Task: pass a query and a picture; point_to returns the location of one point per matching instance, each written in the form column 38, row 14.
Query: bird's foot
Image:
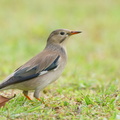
column 42, row 101
column 28, row 97
column 39, row 99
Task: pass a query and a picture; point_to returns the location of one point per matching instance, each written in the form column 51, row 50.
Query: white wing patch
column 44, row 72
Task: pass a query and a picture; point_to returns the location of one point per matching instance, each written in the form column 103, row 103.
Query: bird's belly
column 42, row 81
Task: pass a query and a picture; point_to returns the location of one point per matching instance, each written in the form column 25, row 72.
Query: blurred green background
column 93, row 56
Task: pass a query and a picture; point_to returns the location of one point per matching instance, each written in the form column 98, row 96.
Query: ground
column 89, row 88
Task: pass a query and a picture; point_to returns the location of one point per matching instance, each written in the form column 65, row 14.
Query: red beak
column 75, row 32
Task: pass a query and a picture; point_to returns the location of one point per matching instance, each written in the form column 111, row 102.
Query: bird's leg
column 37, row 94
column 25, row 93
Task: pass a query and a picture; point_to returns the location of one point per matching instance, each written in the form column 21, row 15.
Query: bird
column 42, row 69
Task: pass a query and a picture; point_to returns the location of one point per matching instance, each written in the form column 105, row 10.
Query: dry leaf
column 3, row 100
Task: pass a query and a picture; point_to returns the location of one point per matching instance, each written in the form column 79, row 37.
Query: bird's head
column 60, row 35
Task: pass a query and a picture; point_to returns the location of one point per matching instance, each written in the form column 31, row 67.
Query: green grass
column 89, row 88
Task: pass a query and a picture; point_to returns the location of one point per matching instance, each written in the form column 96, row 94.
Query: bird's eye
column 62, row 33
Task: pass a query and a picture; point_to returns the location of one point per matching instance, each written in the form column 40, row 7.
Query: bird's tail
column 3, row 86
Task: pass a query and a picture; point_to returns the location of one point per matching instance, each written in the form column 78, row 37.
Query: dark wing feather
column 53, row 65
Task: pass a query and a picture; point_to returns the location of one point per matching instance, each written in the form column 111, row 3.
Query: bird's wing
column 39, row 65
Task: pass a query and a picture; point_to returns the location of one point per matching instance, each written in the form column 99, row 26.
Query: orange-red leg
column 28, row 97
column 39, row 99
column 25, row 93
